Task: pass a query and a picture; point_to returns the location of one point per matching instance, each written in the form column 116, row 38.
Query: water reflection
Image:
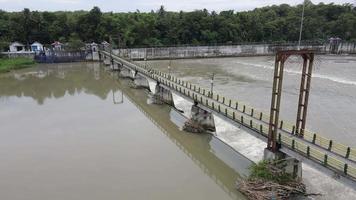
column 213, row 158
column 220, row 162
column 56, row 81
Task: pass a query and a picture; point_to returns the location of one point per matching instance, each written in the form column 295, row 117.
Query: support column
column 160, row 95
column 289, row 165
column 107, row 60
column 125, row 73
column 200, row 121
column 304, row 93
column 141, row 82
column 281, row 57
column 275, row 102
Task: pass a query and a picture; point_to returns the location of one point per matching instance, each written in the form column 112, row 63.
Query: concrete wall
column 18, row 54
column 224, row 50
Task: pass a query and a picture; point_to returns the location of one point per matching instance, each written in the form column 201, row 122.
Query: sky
column 148, row 5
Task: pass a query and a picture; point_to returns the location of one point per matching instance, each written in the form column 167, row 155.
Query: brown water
column 73, row 131
column 332, row 107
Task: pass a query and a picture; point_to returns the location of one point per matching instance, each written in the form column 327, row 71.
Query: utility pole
column 212, row 84
column 145, row 57
column 301, row 26
column 110, row 43
column 169, row 68
column 119, row 45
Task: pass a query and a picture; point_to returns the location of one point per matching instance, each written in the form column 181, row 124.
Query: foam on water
column 321, row 76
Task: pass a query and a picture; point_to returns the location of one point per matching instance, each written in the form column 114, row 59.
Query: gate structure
column 281, row 57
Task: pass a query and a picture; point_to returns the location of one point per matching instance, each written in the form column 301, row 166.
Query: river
column 75, row 131
column 332, row 108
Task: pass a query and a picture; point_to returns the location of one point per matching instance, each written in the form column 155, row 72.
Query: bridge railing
column 323, row 142
column 328, row 144
column 284, row 139
column 237, row 112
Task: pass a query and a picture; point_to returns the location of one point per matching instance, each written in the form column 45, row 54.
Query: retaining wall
column 227, row 50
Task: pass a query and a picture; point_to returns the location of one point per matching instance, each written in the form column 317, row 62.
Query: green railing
column 246, row 115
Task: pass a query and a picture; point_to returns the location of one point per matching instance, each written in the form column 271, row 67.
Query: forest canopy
column 277, row 23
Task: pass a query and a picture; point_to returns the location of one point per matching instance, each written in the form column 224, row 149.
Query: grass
column 263, row 172
column 8, row 64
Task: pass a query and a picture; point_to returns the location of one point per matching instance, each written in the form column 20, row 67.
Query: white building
column 16, row 47
column 94, row 47
column 36, row 46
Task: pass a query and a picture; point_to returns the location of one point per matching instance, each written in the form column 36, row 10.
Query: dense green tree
column 156, row 28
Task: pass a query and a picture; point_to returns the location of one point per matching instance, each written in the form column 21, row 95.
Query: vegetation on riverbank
column 7, row 64
column 276, row 23
column 267, row 181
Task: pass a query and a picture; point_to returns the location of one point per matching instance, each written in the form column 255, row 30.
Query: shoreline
column 9, row 64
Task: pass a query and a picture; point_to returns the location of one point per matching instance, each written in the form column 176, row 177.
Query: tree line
column 277, row 23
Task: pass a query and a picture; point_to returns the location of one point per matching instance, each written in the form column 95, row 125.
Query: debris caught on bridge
column 193, row 127
column 268, row 182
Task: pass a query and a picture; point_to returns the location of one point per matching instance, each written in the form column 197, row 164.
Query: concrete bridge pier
column 107, row 60
column 285, row 162
column 114, row 66
column 127, row 73
column 95, row 56
column 141, row 82
column 200, row 120
column 161, row 95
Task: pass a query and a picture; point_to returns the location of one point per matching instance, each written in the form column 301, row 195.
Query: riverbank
column 8, row 64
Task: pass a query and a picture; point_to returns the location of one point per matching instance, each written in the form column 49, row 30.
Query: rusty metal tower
column 281, row 57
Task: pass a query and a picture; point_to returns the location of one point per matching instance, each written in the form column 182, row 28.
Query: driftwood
column 193, row 127
column 262, row 189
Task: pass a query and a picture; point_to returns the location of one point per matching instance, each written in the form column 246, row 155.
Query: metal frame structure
column 281, row 57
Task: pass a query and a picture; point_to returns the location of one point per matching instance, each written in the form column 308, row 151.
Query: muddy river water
column 77, row 131
column 74, row 131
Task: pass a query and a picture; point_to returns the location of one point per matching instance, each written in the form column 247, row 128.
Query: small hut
column 16, row 47
column 36, row 47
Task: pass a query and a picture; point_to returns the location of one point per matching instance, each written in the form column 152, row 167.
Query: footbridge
column 331, row 157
